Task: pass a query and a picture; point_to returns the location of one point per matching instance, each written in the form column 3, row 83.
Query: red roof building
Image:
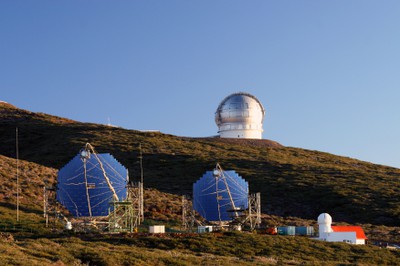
column 348, row 234
column 359, row 231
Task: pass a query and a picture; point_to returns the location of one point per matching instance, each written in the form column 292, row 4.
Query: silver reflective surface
column 240, row 108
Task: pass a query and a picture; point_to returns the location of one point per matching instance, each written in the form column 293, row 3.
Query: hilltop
column 296, row 185
column 292, row 181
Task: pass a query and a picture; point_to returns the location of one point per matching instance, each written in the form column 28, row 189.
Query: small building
column 157, row 229
column 204, row 229
column 347, row 234
column 304, row 230
column 286, row 230
column 357, row 233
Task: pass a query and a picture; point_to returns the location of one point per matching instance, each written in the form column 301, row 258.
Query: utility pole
column 17, row 155
column 141, row 208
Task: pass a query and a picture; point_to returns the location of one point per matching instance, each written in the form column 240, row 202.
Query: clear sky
column 327, row 72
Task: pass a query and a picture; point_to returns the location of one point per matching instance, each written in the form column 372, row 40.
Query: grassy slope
column 230, row 248
column 288, row 178
column 292, row 181
column 207, row 249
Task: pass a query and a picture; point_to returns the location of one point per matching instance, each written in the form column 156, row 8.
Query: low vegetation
column 295, row 184
column 180, row 249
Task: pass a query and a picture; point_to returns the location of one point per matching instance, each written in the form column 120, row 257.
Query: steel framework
column 126, row 215
column 254, row 211
column 188, row 215
column 49, row 204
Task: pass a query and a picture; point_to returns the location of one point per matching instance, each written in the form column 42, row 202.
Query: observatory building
column 240, row 115
column 347, row 234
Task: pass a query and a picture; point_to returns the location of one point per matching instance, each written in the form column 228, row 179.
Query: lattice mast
column 48, row 203
column 188, row 215
column 50, row 209
column 129, row 214
column 254, row 211
column 141, row 192
column 17, row 155
column 134, row 196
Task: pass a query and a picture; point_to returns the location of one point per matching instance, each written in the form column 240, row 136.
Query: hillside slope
column 292, row 181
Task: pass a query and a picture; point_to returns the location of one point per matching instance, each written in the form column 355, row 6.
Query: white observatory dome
column 324, row 225
column 324, row 218
column 240, row 115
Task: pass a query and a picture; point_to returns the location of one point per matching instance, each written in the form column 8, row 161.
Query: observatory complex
column 347, row 234
column 240, row 115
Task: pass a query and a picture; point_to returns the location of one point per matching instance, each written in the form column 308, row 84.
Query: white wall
column 157, row 229
column 360, row 242
column 243, row 134
column 349, row 237
column 324, row 230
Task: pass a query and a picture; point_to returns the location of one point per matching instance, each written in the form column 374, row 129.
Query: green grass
column 292, row 181
column 295, row 184
column 216, row 249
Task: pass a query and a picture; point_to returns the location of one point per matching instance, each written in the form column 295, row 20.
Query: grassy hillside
column 206, row 249
column 296, row 185
column 159, row 206
column 30, row 241
column 292, row 181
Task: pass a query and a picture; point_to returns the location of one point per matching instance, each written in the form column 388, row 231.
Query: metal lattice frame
column 135, row 195
column 49, row 204
column 122, row 216
column 51, row 209
column 188, row 215
column 254, row 214
column 126, row 215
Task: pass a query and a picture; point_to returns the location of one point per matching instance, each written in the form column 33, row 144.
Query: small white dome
column 324, row 218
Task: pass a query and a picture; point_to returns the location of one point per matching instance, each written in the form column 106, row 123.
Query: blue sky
column 327, row 72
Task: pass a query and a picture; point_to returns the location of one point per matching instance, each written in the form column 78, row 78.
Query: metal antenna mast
column 17, row 155
column 141, row 209
column 188, row 215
